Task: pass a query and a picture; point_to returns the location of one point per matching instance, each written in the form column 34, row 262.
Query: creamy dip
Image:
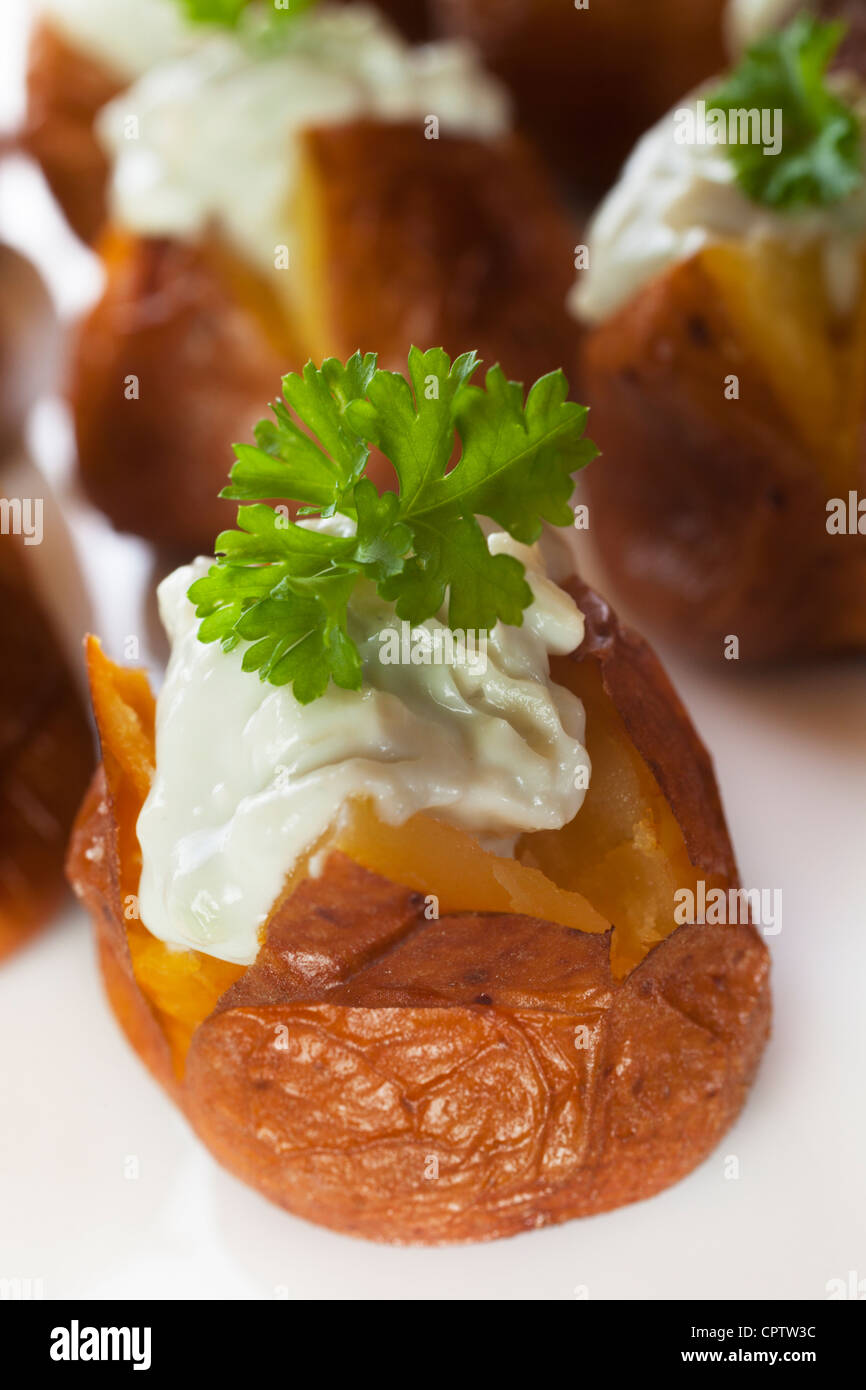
column 248, row 780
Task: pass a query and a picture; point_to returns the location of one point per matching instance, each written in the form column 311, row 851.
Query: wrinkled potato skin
column 65, row 90
column 419, row 243
column 527, row 1129
column 46, row 757
column 454, row 1040
column 589, row 82
column 710, row 516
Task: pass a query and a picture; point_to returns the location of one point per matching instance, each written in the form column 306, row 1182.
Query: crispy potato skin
column 423, row 1081
column 589, row 82
column 418, row 241
column 46, row 757
column 710, row 515
column 65, row 90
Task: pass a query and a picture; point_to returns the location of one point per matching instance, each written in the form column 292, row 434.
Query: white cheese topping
column 212, row 137
column 248, row 780
column 672, row 199
column 127, row 35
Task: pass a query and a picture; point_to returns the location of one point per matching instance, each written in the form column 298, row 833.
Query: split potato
column 550, row 1045
column 68, row 87
column 589, row 80
column 401, row 239
column 728, row 400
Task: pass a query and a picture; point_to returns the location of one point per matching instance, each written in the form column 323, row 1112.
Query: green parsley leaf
column 451, row 558
column 382, row 538
column 518, row 462
column 820, row 161
column 300, row 638
column 321, row 476
column 418, row 439
column 284, row 588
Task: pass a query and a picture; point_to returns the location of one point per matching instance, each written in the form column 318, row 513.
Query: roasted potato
column 67, row 88
column 401, row 239
column 512, row 1064
column 588, row 81
column 710, row 512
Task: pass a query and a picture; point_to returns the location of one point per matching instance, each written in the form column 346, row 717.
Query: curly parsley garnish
column 820, row 162
column 285, row 588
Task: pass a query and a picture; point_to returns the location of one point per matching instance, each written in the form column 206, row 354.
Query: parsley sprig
column 820, row 162
column 284, row 588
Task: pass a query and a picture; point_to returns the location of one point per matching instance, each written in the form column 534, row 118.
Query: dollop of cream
column 673, row 199
column 248, row 780
column 214, row 134
column 129, row 36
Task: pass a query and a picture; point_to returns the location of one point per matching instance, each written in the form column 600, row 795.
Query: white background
column 790, row 750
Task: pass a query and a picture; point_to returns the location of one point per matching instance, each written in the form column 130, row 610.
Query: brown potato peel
column 415, row 1080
